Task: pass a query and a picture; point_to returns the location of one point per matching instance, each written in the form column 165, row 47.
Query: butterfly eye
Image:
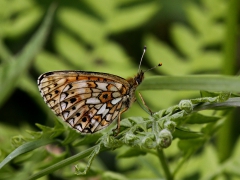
column 139, row 78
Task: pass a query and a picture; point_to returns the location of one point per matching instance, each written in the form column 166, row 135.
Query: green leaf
column 74, row 20
column 187, row 42
column 129, row 18
column 197, row 118
column 209, row 94
column 190, row 144
column 29, row 146
column 126, row 123
column 139, row 122
column 93, row 171
column 212, row 128
column 99, row 7
column 25, row 21
column 88, row 139
column 49, row 132
column 75, row 53
column 186, row 134
column 91, row 157
column 197, row 17
column 112, row 175
column 11, row 72
column 215, row 34
column 71, row 136
column 233, row 168
column 46, row 61
column 232, row 165
column 198, row 63
column 197, row 82
column 131, row 152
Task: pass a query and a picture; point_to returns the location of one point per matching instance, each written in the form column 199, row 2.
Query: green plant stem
column 164, row 164
column 230, row 43
column 185, row 158
column 5, row 54
column 226, row 134
column 231, row 102
column 64, row 163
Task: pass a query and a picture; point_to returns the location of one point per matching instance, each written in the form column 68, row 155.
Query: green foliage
column 174, row 142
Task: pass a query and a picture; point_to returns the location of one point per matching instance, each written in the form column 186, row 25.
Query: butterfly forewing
column 88, row 101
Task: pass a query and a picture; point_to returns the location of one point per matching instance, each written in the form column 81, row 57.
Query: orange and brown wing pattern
column 88, row 101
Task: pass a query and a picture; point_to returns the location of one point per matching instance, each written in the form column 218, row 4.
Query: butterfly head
column 139, row 77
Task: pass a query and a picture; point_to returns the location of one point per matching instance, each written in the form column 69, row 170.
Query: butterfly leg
column 118, row 122
column 145, row 105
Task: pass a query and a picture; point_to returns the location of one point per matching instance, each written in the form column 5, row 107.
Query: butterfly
column 89, row 101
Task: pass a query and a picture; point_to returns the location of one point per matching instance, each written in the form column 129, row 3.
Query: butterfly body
column 88, row 101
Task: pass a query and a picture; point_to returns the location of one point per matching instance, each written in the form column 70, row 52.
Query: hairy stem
column 164, row 164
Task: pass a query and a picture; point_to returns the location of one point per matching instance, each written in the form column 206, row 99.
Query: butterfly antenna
column 144, row 50
column 160, row 64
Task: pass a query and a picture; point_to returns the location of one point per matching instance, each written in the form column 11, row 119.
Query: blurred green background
column 187, row 36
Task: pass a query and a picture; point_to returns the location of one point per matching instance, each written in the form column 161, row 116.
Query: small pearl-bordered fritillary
column 88, row 101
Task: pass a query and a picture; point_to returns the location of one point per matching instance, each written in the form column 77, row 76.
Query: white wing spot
column 76, row 85
column 63, row 96
column 61, row 81
column 108, row 117
column 95, row 94
column 94, row 123
column 71, row 122
column 78, row 127
column 98, row 106
column 93, row 101
column 118, row 85
column 115, row 101
column 102, row 86
column 92, row 112
column 102, row 109
column 113, row 88
column 105, row 112
column 65, row 114
column 116, row 94
column 66, row 88
column 63, row 105
column 81, row 90
column 96, row 90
